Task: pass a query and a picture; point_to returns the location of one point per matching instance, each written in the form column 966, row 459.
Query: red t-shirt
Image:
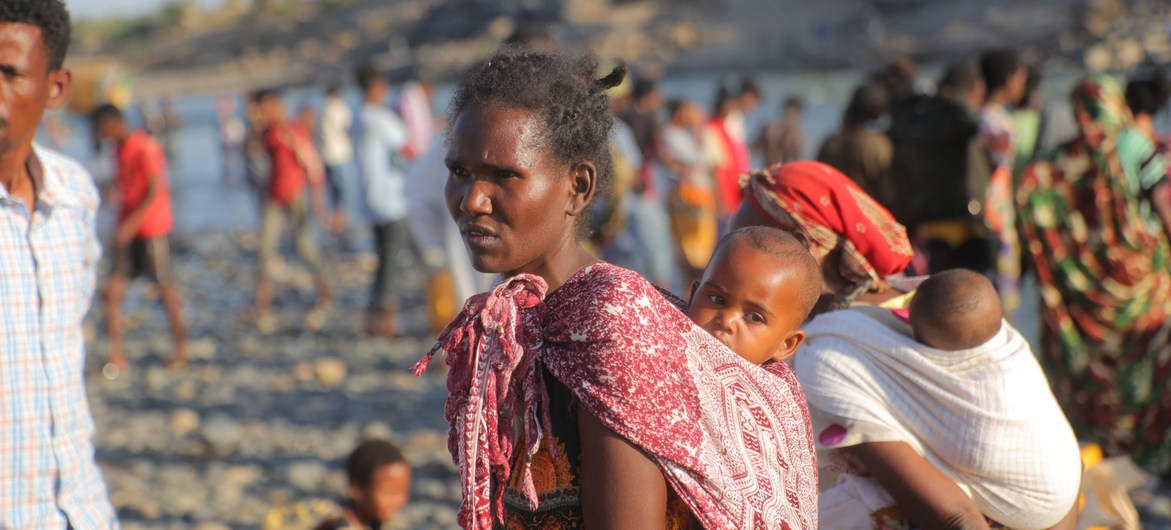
column 141, row 158
column 288, row 176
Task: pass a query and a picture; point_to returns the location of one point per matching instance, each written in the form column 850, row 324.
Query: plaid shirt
column 48, row 477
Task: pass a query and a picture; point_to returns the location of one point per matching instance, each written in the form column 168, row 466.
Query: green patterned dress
column 1105, row 280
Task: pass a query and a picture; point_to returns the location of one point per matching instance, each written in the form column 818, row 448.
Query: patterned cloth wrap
column 833, row 212
column 732, row 439
column 1105, row 280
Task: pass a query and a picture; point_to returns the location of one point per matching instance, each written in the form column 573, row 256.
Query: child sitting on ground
column 759, row 286
column 380, row 482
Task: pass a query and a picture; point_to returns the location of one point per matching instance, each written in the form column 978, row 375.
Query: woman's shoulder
column 603, row 281
column 606, row 297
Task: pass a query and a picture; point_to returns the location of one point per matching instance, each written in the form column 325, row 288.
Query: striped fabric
column 48, row 477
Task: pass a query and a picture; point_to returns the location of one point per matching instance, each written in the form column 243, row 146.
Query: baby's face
column 748, row 300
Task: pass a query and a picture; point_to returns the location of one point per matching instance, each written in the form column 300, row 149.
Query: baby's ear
column 789, row 346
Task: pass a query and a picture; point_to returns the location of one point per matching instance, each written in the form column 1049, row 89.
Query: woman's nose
column 476, row 199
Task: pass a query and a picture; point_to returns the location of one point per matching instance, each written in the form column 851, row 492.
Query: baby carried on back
column 957, row 384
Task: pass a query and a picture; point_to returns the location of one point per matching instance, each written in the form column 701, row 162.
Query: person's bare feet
column 179, row 359
column 318, row 314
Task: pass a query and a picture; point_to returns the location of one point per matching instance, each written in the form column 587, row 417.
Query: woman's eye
column 459, row 172
column 755, row 317
column 506, row 175
column 715, row 299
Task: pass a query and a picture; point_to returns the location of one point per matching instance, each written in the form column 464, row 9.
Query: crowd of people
column 674, row 339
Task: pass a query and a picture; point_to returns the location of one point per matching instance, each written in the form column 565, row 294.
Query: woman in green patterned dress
column 1105, row 281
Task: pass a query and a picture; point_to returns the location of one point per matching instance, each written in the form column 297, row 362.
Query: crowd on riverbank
column 631, row 235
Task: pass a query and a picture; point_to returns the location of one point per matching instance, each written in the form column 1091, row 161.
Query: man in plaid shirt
column 48, row 256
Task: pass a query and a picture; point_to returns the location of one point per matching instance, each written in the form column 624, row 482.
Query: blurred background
column 254, row 432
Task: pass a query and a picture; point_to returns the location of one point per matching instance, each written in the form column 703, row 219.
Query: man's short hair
column 368, row 458
column 794, row 102
column 367, row 76
column 961, row 78
column 103, row 113
column 642, row 87
column 48, row 15
column 748, row 86
column 265, row 94
column 997, row 66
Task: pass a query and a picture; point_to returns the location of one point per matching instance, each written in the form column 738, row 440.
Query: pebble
column 377, row 429
column 307, row 475
column 201, row 349
column 222, row 434
column 184, row 421
column 157, row 378
column 329, row 372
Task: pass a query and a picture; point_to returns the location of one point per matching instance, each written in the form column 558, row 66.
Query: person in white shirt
column 49, row 255
column 336, row 151
column 381, row 137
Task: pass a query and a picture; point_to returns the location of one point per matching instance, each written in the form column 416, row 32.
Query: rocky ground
column 257, row 428
column 254, row 433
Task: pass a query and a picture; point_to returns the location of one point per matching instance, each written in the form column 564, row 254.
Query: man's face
column 1018, row 83
column 27, row 85
column 272, row 110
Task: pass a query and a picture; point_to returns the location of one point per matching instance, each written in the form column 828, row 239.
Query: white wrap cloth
column 985, row 417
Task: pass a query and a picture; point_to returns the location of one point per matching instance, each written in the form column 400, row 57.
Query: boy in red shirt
column 295, row 163
column 140, row 239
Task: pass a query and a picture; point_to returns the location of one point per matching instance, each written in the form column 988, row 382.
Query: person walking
column 381, row 138
column 49, row 253
column 295, row 165
column 141, row 245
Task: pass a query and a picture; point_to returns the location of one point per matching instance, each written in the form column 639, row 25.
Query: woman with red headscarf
column 732, row 154
column 869, row 383
column 857, row 241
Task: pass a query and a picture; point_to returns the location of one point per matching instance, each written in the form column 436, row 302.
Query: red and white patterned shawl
column 732, row 439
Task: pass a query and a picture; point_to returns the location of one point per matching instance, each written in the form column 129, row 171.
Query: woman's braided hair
column 563, row 89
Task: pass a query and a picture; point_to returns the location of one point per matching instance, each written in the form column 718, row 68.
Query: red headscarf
column 833, row 212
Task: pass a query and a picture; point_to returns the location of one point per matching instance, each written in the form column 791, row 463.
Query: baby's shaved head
column 955, row 310
column 791, row 252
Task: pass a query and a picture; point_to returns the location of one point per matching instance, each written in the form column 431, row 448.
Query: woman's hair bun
column 611, row 80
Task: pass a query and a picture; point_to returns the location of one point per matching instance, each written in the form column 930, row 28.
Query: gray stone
column 306, row 475
column 202, row 349
column 377, row 429
column 157, row 378
column 222, row 434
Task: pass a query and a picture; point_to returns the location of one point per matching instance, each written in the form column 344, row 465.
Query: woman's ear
column 584, row 180
column 789, row 346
